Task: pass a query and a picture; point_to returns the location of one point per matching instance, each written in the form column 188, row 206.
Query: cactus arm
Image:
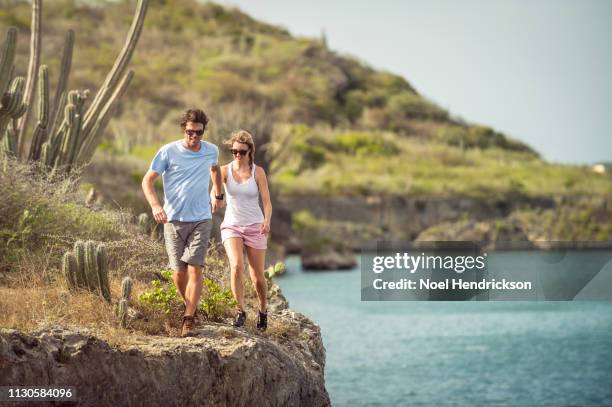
column 57, row 107
column 32, row 70
column 122, row 310
column 69, row 136
column 102, row 262
column 11, row 108
column 69, row 269
column 126, row 288
column 88, row 148
column 65, row 140
column 7, row 57
column 9, row 144
column 91, row 266
column 117, row 71
column 122, row 307
column 79, row 253
column 40, row 131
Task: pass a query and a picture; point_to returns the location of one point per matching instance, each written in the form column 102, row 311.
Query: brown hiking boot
column 188, row 326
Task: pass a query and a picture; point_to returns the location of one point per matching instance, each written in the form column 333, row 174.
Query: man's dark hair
column 195, row 116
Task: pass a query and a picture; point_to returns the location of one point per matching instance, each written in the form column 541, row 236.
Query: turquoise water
column 454, row 353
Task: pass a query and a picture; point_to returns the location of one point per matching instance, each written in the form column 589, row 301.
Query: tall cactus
column 90, row 140
column 59, row 100
column 70, row 134
column 116, row 73
column 35, row 41
column 40, row 131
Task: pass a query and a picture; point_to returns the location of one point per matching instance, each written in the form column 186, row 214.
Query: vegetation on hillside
column 202, row 54
column 582, row 219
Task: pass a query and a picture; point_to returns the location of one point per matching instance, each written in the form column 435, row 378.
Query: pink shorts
column 251, row 235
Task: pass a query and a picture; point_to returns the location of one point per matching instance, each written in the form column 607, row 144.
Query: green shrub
column 216, row 303
column 303, row 221
column 411, row 105
column 482, row 137
column 276, row 270
column 162, row 295
column 361, row 143
column 307, row 150
column 312, row 156
column 354, row 101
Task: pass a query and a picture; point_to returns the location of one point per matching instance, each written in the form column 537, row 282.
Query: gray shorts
column 186, row 243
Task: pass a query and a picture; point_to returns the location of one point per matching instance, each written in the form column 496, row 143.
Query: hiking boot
column 188, row 326
column 262, row 322
column 240, row 319
column 195, row 311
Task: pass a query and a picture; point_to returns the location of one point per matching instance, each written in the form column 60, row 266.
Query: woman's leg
column 233, row 248
column 257, row 258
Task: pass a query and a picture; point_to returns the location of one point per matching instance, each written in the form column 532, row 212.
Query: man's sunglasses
column 241, row 152
column 194, row 132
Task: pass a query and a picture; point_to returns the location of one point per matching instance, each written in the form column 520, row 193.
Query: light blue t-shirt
column 186, row 175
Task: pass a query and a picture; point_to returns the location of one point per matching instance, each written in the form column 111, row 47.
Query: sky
column 536, row 70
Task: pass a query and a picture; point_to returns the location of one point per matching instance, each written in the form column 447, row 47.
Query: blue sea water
column 454, row 353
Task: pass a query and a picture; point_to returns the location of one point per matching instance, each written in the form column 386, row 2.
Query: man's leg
column 257, row 258
column 193, row 289
column 194, row 256
column 180, row 281
column 175, row 247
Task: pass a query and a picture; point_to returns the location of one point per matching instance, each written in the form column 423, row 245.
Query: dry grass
column 39, row 303
column 281, row 330
column 31, row 303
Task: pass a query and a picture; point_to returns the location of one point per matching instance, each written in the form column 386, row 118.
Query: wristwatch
column 219, row 197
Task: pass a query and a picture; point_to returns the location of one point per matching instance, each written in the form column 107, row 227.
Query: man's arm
column 215, row 174
column 149, row 190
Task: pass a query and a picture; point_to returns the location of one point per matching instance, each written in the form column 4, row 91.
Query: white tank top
column 242, row 201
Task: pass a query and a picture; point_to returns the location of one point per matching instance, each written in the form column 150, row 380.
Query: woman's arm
column 262, row 183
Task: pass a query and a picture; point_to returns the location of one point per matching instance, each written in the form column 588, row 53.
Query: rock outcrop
column 330, row 260
column 222, row 366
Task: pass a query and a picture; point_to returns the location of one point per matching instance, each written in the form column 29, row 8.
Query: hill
column 207, row 55
column 325, row 124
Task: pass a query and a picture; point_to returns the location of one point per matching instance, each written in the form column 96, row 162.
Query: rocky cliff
column 222, row 366
column 356, row 220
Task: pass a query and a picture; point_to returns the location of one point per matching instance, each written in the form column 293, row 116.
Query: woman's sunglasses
column 241, row 152
column 194, row 132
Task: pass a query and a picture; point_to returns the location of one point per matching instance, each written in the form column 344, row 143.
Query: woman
column 244, row 224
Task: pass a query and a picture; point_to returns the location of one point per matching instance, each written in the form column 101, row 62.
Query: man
column 186, row 167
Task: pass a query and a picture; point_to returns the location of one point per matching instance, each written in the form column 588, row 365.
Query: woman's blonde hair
column 244, row 137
